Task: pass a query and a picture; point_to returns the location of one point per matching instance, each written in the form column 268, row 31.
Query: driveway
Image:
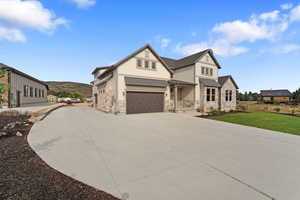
column 166, row 156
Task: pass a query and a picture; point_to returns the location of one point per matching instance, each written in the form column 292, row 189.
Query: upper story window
column 207, row 71
column 35, row 92
column 146, row 64
column 153, row 65
column 139, row 63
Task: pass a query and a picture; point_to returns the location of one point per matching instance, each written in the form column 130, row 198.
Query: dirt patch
column 24, row 176
column 221, row 114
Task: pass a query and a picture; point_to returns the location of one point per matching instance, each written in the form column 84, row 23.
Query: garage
column 145, row 95
column 144, row 102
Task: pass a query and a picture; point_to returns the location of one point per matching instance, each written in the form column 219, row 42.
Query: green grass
column 265, row 120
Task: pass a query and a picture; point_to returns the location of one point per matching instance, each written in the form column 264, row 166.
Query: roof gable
column 190, row 60
column 115, row 66
column 222, row 80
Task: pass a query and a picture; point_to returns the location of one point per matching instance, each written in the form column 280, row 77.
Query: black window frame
column 208, row 97
column 213, row 94
column 31, row 91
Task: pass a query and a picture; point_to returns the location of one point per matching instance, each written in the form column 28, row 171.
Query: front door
column 18, row 98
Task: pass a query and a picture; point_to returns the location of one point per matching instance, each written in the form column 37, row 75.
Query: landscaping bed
column 24, row 176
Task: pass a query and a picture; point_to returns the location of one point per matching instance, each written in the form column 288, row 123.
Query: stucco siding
column 17, row 83
column 228, row 105
column 185, row 74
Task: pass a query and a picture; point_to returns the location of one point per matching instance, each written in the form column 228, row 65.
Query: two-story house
column 145, row 82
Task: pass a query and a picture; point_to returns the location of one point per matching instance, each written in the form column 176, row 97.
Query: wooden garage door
column 144, row 102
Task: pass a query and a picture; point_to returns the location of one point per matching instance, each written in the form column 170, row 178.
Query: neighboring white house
column 145, row 82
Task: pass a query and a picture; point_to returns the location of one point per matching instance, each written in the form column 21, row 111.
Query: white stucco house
column 145, row 82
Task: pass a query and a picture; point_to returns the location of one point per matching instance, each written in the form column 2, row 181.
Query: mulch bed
column 24, row 176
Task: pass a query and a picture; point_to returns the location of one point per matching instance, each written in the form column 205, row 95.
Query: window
column 211, row 72
column 208, row 94
column 35, row 92
column 39, row 92
column 213, row 94
column 139, row 63
column 31, row 91
column 206, row 71
column 43, row 93
column 227, row 95
column 202, row 70
column 153, row 65
column 230, row 95
column 24, row 90
column 146, row 64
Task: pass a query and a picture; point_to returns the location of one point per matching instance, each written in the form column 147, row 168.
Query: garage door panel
column 144, row 102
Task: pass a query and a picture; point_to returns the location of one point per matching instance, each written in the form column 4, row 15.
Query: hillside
column 81, row 88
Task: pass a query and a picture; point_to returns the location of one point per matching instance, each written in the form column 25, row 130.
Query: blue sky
column 257, row 42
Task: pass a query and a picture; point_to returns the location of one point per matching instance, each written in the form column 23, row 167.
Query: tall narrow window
column 39, row 92
column 206, row 71
column 202, row 70
column 139, row 63
column 146, row 64
column 43, row 93
column 211, row 72
column 153, row 65
column 35, row 92
column 208, row 94
column 230, row 95
column 24, row 90
column 213, row 94
column 31, row 91
column 226, row 95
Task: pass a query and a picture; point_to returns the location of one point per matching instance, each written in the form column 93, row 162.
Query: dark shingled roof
column 99, row 68
column 209, row 82
column 145, row 82
column 189, row 60
column 23, row 74
column 179, row 82
column 223, row 79
column 275, row 93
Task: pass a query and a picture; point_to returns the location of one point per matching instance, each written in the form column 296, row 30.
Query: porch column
column 175, row 98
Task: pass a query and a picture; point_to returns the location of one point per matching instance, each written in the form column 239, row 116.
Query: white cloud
column 286, row 6
column 26, row 14
column 11, row 34
column 289, row 48
column 220, row 47
column 29, row 13
column 226, row 37
column 272, row 16
column 295, row 14
column 162, row 41
column 84, row 3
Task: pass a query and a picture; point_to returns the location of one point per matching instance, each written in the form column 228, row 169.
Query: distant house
column 276, row 96
column 23, row 89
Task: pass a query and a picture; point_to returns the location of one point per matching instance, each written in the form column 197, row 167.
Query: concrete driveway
column 169, row 156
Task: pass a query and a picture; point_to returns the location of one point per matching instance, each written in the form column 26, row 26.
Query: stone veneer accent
column 228, row 105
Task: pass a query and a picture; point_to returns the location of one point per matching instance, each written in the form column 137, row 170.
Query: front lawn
column 265, row 120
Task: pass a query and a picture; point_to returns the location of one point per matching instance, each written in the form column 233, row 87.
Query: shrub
column 277, row 109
